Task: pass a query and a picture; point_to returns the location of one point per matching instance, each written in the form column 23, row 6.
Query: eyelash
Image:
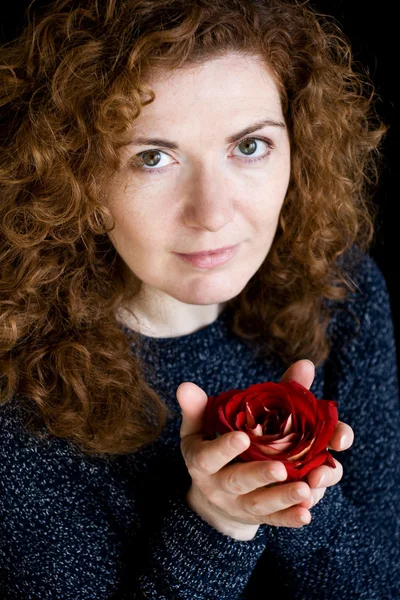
column 248, row 160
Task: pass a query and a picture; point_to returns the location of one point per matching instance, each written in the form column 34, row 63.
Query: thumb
column 192, row 400
column 302, row 371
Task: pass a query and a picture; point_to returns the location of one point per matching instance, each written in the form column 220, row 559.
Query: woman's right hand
column 233, row 498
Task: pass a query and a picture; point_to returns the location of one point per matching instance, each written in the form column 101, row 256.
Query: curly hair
column 72, row 83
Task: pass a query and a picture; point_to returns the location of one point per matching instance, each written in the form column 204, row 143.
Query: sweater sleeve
column 56, row 536
column 351, row 547
column 64, row 533
column 191, row 560
column 365, row 372
column 364, row 379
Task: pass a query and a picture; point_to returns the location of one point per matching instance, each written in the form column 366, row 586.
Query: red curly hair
column 72, row 84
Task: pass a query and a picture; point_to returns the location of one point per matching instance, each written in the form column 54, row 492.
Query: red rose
column 284, row 422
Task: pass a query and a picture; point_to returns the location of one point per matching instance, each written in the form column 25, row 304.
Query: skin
column 210, row 195
column 233, row 498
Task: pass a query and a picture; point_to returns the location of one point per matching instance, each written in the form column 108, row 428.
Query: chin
column 212, row 292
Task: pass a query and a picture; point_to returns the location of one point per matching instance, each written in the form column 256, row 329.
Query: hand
column 321, row 477
column 234, row 498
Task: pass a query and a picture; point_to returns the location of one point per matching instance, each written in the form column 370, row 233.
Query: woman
column 135, row 135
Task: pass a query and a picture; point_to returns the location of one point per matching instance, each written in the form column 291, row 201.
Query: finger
column 209, row 456
column 342, row 438
column 273, row 499
column 242, row 478
column 302, row 371
column 324, row 476
column 316, row 495
column 294, row 517
column 192, row 400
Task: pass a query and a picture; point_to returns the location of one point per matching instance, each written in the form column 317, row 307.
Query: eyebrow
column 144, row 141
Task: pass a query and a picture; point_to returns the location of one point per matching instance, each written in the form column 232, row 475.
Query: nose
column 209, row 200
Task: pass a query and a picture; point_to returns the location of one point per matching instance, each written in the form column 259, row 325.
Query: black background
column 372, row 30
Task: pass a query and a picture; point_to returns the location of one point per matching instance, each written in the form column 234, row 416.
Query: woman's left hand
column 323, row 476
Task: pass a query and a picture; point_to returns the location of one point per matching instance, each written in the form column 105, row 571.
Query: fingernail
column 312, row 500
column 304, row 519
column 310, row 361
column 239, row 442
column 343, row 443
column 321, row 481
column 302, row 493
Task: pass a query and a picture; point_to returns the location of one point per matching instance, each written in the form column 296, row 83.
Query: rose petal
column 298, row 471
column 284, row 421
column 240, row 422
column 302, row 453
column 288, row 425
column 256, row 431
column 234, row 405
column 327, row 419
column 276, row 447
column 250, row 420
column 329, row 460
column 265, row 440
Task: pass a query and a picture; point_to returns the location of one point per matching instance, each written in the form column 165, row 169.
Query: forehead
column 226, row 86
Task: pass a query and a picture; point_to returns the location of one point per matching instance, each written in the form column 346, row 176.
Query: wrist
column 237, row 531
column 234, row 529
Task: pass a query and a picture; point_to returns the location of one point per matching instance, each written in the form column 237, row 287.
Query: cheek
column 132, row 220
column 140, row 240
column 140, row 228
column 267, row 209
column 278, row 186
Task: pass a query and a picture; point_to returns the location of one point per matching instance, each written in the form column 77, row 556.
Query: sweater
column 80, row 527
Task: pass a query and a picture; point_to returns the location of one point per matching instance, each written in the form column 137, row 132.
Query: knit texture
column 79, row 527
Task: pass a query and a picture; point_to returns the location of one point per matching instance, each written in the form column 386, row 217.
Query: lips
column 208, row 252
column 211, row 259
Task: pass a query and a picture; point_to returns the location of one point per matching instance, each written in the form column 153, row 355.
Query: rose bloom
column 284, row 422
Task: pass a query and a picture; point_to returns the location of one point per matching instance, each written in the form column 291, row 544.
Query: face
column 200, row 186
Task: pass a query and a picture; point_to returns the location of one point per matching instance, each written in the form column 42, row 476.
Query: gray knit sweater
column 74, row 527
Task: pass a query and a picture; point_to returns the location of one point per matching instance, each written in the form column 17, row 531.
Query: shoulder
column 370, row 284
column 366, row 309
column 26, row 455
column 361, row 332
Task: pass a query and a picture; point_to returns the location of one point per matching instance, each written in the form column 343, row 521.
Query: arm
column 57, row 538
column 70, row 530
column 190, row 559
column 368, row 393
column 351, row 548
column 343, row 553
